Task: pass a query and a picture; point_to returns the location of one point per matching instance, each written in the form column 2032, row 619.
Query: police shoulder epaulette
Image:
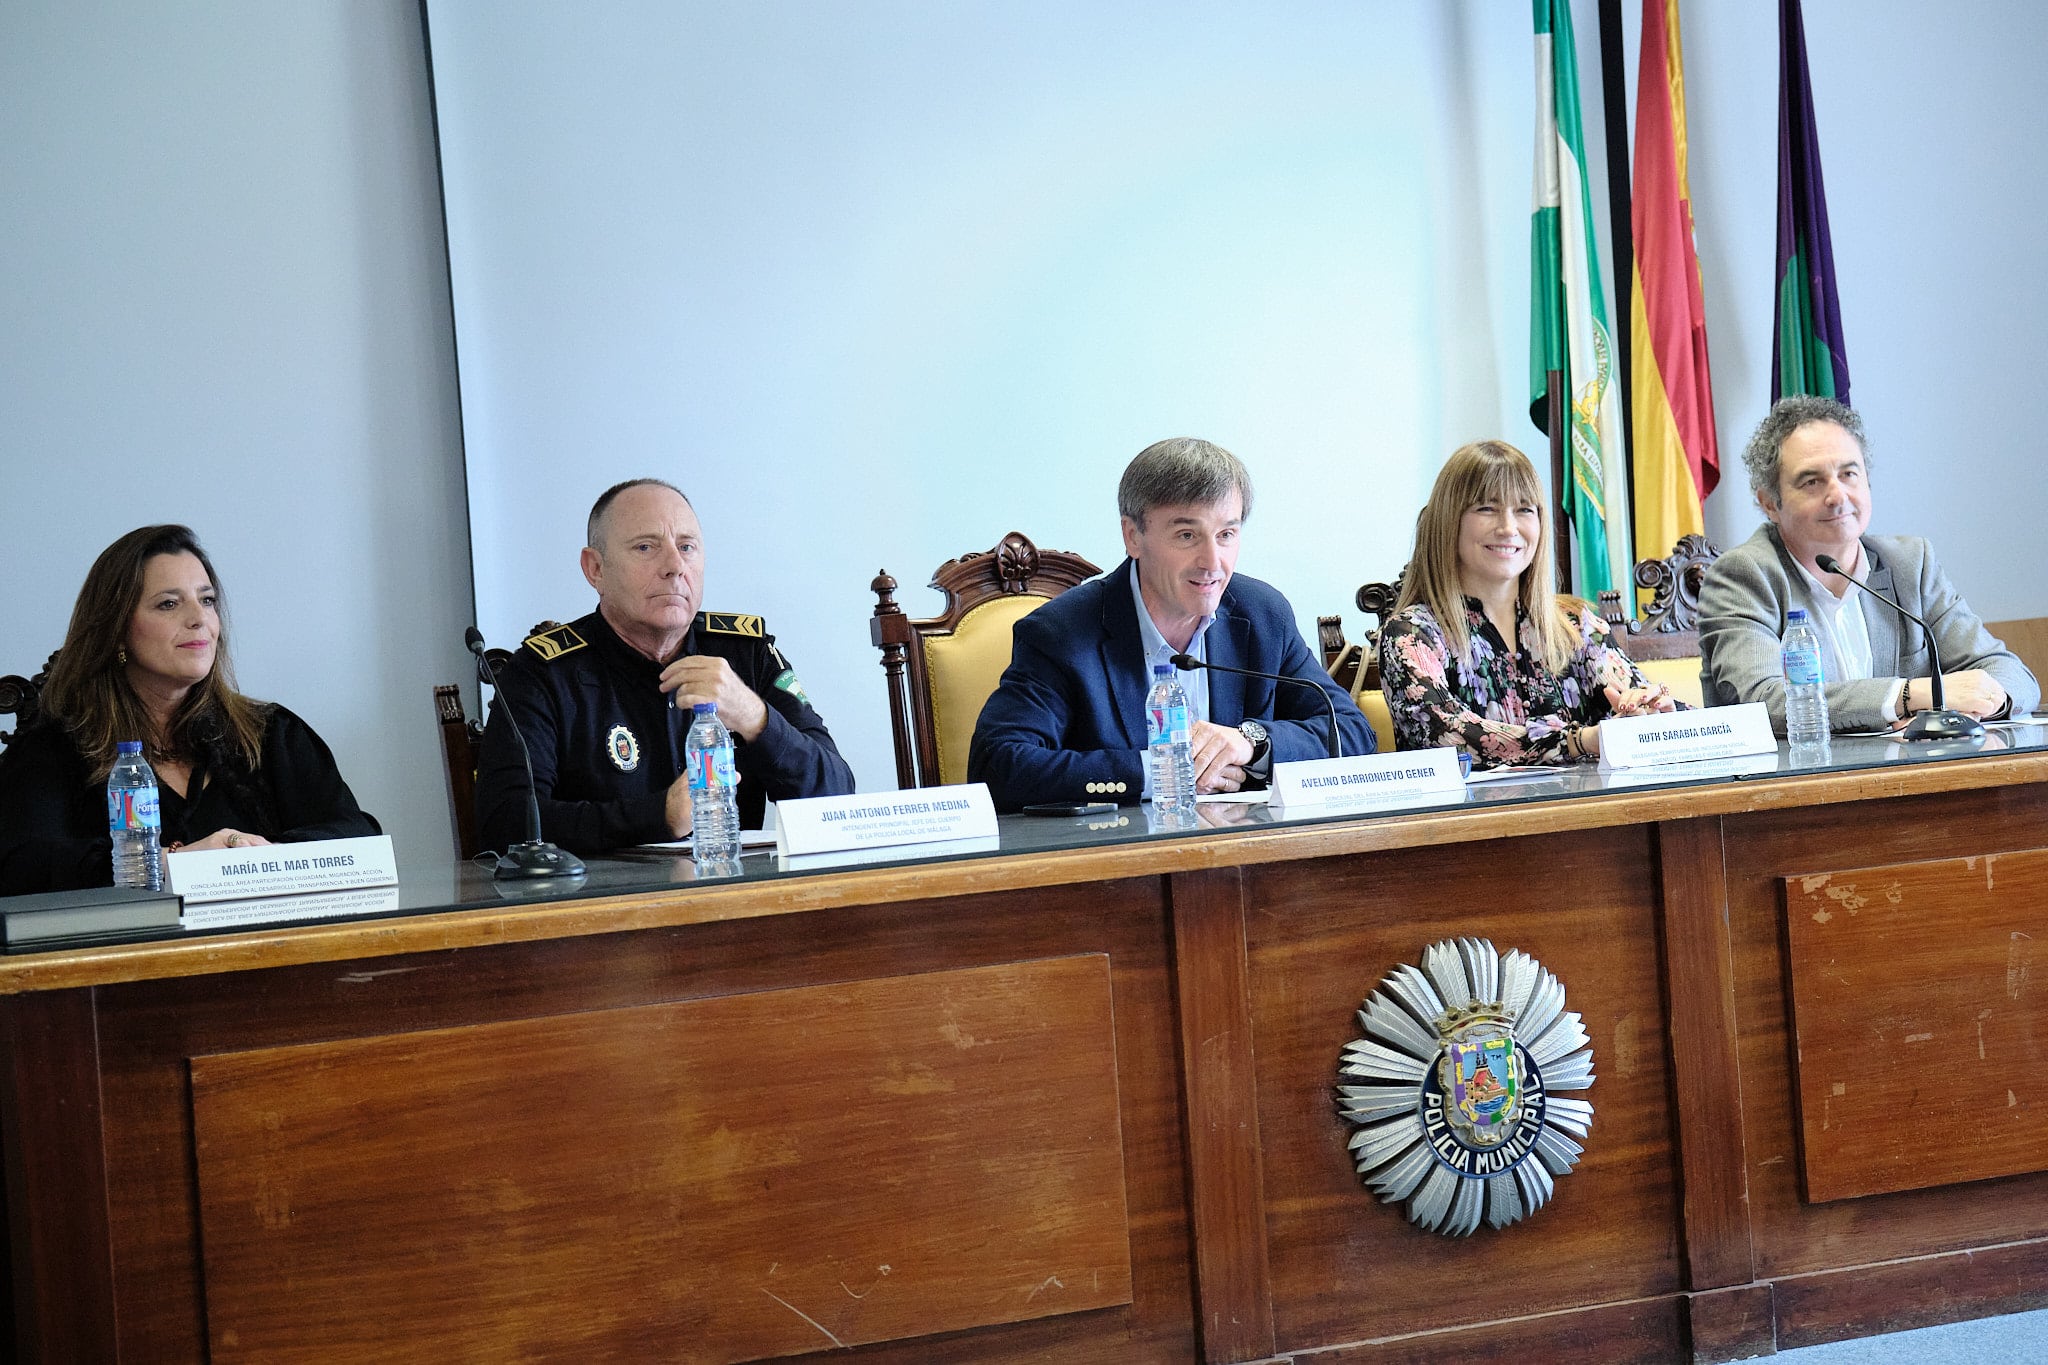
column 553, row 643
column 734, row 623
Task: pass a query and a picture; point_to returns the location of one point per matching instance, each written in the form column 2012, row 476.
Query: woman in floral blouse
column 1479, row 578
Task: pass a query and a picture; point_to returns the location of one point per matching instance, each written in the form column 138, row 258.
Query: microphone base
column 1942, row 725
column 527, row 861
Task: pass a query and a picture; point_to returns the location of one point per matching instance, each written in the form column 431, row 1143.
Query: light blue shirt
column 1195, row 682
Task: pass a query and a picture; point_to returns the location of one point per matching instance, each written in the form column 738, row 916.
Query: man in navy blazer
column 1067, row 722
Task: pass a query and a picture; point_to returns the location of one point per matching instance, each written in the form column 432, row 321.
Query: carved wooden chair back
column 462, row 743
column 941, row 669
column 21, row 697
column 1670, row 625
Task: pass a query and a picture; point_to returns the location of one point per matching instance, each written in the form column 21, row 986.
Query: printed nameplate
column 313, row 905
column 922, row 815
column 1705, row 770
column 1685, row 736
column 1369, row 780
column 865, row 857
column 232, row 874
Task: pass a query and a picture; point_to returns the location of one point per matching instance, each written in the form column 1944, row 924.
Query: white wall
column 225, row 303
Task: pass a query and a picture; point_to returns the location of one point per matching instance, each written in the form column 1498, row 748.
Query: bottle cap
column 128, row 746
column 1161, row 671
column 1796, row 616
column 705, row 708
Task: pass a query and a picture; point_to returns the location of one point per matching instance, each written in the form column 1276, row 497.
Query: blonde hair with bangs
column 1486, row 472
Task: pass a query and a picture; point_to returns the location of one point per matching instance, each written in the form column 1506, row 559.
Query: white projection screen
column 876, row 283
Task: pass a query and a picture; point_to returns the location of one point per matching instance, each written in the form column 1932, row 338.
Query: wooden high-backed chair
column 462, row 746
column 1665, row 643
column 941, row 669
column 2028, row 638
column 462, row 742
column 20, row 697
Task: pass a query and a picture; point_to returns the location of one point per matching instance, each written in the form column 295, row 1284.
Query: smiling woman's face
column 174, row 632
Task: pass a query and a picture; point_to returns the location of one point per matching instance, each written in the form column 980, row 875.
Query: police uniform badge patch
column 734, row 623
column 552, row 644
column 1454, row 1087
column 786, row 680
column 622, row 748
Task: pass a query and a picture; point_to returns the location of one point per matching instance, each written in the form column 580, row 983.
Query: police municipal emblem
column 786, row 680
column 1454, row 1088
column 623, row 748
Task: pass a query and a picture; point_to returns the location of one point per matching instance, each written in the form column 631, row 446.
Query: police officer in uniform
column 605, row 701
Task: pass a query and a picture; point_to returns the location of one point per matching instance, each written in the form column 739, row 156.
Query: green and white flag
column 1568, row 315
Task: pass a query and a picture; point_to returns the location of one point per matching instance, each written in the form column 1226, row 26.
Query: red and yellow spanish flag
column 1677, row 459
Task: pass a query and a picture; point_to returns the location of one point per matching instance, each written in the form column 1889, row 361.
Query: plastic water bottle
column 714, row 790
column 134, row 820
column 1169, row 739
column 1806, row 698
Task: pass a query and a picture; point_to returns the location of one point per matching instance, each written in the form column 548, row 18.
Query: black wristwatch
column 1262, row 745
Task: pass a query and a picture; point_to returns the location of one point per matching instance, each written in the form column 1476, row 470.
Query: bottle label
column 1802, row 667
column 712, row 767
column 132, row 810
column 1169, row 725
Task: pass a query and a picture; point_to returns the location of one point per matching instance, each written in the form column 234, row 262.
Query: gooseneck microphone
column 1937, row 722
column 1187, row 663
column 535, row 857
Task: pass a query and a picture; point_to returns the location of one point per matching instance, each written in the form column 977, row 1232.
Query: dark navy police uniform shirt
column 607, row 744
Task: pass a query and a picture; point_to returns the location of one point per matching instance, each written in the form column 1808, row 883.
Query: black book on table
column 94, row 911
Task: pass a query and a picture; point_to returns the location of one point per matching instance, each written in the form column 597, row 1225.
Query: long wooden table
column 1072, row 1101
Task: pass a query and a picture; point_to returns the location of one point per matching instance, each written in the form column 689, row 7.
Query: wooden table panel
column 749, row 1176
column 149, row 1029
column 1792, row 1236
column 1699, row 984
column 1225, row 1186
column 1233, row 966
column 1920, row 1007
column 1322, row 935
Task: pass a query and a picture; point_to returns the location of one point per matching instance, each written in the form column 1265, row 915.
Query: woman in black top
column 146, row 658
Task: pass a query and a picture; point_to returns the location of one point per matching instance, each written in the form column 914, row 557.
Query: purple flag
column 1808, row 354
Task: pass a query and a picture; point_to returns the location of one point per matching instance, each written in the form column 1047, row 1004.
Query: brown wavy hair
column 1486, row 472
column 88, row 690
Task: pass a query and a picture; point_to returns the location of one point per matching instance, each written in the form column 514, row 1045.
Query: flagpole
column 1621, row 232
column 1556, row 421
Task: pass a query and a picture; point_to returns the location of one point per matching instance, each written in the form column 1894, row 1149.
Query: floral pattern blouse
column 1505, row 707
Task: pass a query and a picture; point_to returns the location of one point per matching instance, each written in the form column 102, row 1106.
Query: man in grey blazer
column 1810, row 474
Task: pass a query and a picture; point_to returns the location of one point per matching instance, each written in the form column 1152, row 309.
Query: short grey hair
column 1763, row 453
column 594, row 527
column 1182, row 472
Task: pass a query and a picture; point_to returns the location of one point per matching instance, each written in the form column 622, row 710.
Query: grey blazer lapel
column 1887, row 628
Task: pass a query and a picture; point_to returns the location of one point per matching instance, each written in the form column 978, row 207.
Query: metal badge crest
column 1454, row 1087
column 623, row 748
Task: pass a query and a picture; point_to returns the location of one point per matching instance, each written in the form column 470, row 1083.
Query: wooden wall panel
column 149, row 1029
column 1321, row 935
column 1645, row 1332
column 1699, row 986
column 1225, row 1185
column 750, row 1176
column 60, row 1249
column 1792, row 1236
column 1903, row 1295
column 1920, row 1014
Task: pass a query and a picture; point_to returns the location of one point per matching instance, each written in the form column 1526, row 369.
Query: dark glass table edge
column 447, row 888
